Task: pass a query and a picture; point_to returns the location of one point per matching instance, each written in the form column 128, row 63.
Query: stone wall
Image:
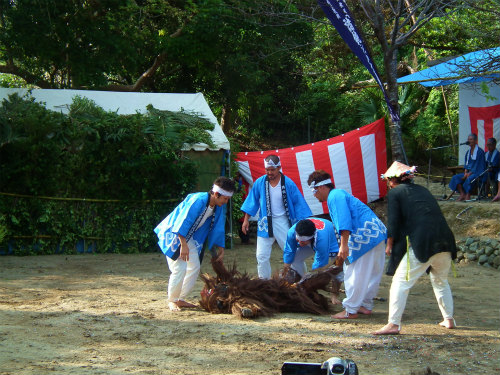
column 483, row 251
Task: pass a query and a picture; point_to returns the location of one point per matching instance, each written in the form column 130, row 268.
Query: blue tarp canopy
column 471, row 67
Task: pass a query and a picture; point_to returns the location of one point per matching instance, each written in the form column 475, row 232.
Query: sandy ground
column 107, row 314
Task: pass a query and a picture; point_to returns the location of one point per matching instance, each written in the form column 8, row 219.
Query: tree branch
column 160, row 59
column 31, row 79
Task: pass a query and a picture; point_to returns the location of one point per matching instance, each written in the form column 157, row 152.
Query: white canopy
column 129, row 103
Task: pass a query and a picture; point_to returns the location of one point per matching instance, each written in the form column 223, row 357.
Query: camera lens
column 337, row 369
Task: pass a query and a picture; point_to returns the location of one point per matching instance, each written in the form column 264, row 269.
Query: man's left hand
column 220, row 255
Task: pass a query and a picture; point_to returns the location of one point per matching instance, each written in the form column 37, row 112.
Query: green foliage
column 82, row 43
column 237, row 198
column 92, row 154
column 411, row 100
column 3, row 229
column 274, row 65
column 10, row 80
column 432, row 129
column 33, row 226
column 466, row 29
column 243, row 56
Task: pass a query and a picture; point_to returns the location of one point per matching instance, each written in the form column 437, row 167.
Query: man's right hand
column 343, row 252
column 244, row 226
column 388, row 250
column 184, row 255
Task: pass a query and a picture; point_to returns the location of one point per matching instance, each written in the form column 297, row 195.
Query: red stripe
column 381, row 153
column 322, row 160
column 289, row 166
column 488, row 131
column 355, row 163
column 487, row 114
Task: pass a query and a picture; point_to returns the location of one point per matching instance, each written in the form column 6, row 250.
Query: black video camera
column 331, row 366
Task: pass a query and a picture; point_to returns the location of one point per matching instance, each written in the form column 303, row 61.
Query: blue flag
column 339, row 15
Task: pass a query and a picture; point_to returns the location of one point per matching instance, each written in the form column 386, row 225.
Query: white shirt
column 209, row 212
column 277, row 206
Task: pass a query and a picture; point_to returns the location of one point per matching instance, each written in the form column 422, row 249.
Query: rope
column 86, row 199
column 429, row 175
column 407, row 259
column 49, row 237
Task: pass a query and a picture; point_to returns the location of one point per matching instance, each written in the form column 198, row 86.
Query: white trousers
column 264, row 245
column 183, row 275
column 362, row 279
column 440, row 264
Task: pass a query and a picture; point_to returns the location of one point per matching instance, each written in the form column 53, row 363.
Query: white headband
column 314, row 185
column 303, row 238
column 221, row 191
column 271, row 164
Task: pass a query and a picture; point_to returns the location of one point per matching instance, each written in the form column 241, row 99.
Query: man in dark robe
column 414, row 215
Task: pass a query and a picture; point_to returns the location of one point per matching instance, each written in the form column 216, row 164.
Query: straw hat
column 398, row 169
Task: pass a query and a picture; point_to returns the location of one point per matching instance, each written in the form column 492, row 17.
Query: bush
column 128, row 168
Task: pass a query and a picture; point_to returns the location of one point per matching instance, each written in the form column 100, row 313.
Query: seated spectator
column 474, row 165
column 492, row 158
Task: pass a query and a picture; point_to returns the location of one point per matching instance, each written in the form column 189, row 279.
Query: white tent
column 475, row 106
column 129, row 103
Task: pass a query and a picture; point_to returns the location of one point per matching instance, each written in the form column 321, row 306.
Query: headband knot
column 271, row 164
column 314, row 185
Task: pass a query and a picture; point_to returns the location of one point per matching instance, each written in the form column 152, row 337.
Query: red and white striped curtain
column 355, row 160
column 485, row 122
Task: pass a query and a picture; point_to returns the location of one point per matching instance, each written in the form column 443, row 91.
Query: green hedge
column 46, row 226
column 127, row 167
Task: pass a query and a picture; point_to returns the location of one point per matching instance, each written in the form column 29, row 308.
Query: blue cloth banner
column 339, row 15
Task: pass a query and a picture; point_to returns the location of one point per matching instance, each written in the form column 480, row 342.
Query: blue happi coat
column 256, row 200
column 473, row 163
column 184, row 219
column 349, row 213
column 493, row 161
column 325, row 243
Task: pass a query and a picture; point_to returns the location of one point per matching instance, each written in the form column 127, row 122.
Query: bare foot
column 173, row 306
column 388, row 329
column 344, row 315
column 448, row 323
column 336, row 301
column 467, row 197
column 364, row 311
column 461, row 198
column 496, row 198
column 181, row 303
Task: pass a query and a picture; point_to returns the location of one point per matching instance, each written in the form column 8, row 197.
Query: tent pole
column 230, row 203
column 429, row 169
column 448, row 115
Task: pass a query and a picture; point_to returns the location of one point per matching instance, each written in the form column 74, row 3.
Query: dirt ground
column 107, row 314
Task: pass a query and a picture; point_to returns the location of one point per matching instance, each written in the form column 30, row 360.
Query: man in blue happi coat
column 492, row 159
column 280, row 205
column 309, row 237
column 362, row 244
column 314, row 237
column 474, row 165
column 198, row 218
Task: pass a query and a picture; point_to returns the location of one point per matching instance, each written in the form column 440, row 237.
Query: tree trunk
column 226, row 121
column 390, row 64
